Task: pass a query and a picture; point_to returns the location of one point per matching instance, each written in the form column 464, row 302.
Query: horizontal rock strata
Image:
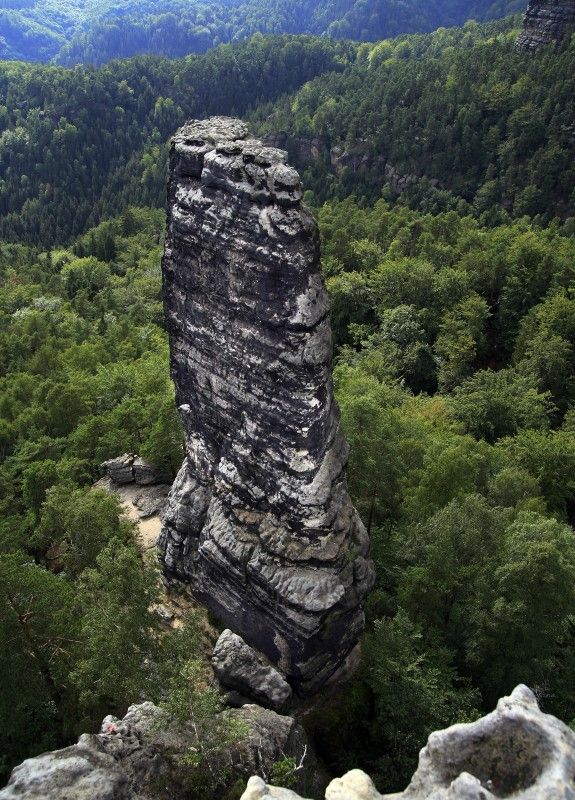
column 517, row 751
column 546, row 21
column 259, row 522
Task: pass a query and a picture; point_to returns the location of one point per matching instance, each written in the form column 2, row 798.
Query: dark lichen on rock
column 259, row 523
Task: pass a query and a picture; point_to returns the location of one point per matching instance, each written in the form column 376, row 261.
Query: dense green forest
column 95, row 31
column 61, row 173
column 453, row 311
column 502, row 145
column 476, row 121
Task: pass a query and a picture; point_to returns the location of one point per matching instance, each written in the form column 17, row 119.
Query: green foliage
column 118, row 630
column 41, row 639
column 284, row 773
column 496, row 404
column 416, row 691
column 191, row 700
column 82, row 523
column 61, row 173
column 452, row 120
column 84, row 377
column 454, row 377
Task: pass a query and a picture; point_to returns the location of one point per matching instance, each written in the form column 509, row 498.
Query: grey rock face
column 259, row 522
column 80, row 772
column 517, row 751
column 238, row 667
column 546, row 21
column 137, row 758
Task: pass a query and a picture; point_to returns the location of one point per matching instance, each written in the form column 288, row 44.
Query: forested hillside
column 484, row 126
column 459, row 109
column 94, row 31
column 60, row 172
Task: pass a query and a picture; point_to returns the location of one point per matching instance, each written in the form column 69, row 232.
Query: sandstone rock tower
column 546, row 21
column 259, row 523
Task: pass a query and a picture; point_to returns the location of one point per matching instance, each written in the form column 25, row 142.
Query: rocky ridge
column 546, row 21
column 259, row 523
column 143, row 757
column 516, row 751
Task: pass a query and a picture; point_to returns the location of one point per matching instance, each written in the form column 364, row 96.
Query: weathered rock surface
column 130, row 468
column 237, row 667
column 259, row 522
column 546, row 21
column 517, row 751
column 139, row 758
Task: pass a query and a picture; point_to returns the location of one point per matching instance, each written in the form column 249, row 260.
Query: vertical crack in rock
column 259, row 522
column 546, row 21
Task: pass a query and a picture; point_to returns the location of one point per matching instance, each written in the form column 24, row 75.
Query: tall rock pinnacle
column 259, row 523
column 546, row 21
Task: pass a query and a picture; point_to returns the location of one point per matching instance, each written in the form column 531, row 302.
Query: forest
column 95, row 31
column 502, row 147
column 453, row 313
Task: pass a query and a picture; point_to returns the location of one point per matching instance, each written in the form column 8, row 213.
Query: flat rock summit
column 259, row 523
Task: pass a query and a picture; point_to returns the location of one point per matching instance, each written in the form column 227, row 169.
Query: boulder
column 238, row 667
column 120, row 470
column 146, row 473
column 130, row 468
column 80, row 772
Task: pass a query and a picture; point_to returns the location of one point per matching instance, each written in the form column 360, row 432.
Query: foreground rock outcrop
column 517, row 751
column 145, row 757
column 259, row 523
column 546, row 21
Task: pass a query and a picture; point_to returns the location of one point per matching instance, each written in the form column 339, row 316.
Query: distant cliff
column 546, row 21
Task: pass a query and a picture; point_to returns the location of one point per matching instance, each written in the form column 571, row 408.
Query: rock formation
column 259, row 523
column 546, row 21
column 238, row 668
column 517, row 751
column 140, row 758
column 130, row 468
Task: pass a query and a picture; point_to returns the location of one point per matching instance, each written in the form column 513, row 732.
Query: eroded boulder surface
column 517, row 751
column 238, row 667
column 546, row 21
column 259, row 523
column 143, row 757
